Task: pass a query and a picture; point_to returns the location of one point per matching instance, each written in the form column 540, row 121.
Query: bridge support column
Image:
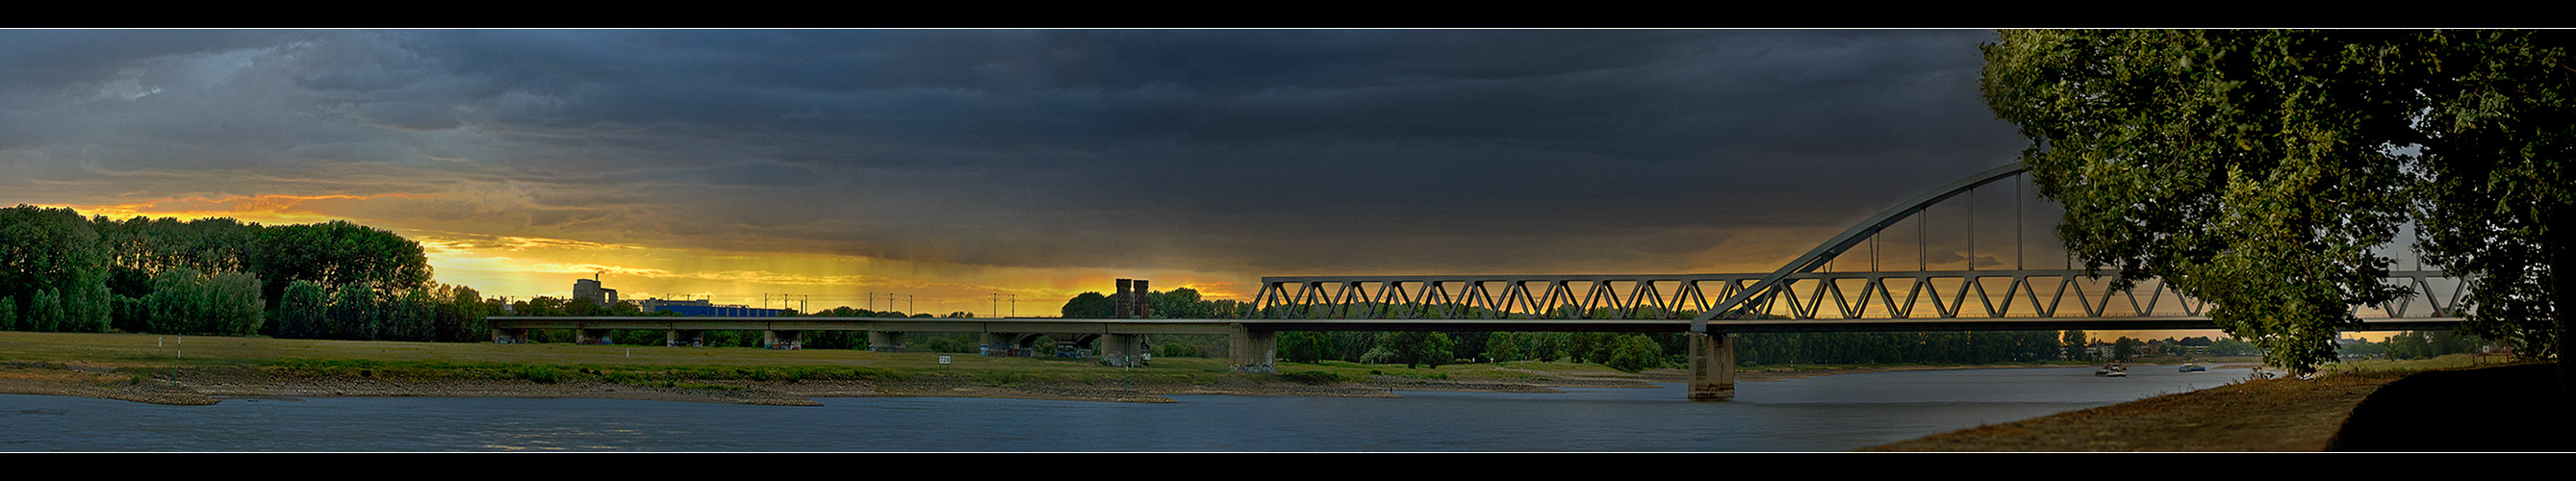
column 1712, row 360
column 510, row 336
column 995, row 344
column 678, row 337
column 591, row 336
column 782, row 339
column 885, row 341
column 1122, row 350
column 1252, row 351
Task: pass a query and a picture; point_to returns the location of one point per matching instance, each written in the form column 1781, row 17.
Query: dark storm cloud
column 1310, row 151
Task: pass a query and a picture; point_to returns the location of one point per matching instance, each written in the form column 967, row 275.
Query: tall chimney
column 1144, row 300
column 1123, row 300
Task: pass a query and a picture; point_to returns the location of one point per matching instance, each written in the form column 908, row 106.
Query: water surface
column 1832, row 413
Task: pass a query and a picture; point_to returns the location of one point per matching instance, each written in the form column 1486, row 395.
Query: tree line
column 61, row 272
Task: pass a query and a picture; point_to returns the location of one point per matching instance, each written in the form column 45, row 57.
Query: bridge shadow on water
column 2498, row 409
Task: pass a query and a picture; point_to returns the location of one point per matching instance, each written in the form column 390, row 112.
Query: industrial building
column 591, row 289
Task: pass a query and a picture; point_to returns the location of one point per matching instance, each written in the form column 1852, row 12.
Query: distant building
column 702, row 307
column 590, row 289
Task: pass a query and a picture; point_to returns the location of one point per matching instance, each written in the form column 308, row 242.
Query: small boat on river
column 2112, row 370
column 2194, row 367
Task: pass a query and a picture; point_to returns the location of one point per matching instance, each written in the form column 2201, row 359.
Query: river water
column 1832, row 413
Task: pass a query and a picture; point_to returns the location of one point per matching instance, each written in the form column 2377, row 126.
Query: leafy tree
column 2232, row 347
column 303, row 313
column 1634, row 352
column 2124, row 349
column 47, row 313
column 1305, row 346
column 1505, row 346
column 2411, row 345
column 57, row 251
column 462, row 319
column 337, row 254
column 413, row 316
column 1182, row 303
column 186, row 301
column 355, row 315
column 9, row 314
column 1544, row 346
column 1089, row 305
column 1418, row 347
column 2260, row 170
column 542, row 306
column 583, row 306
column 2077, row 346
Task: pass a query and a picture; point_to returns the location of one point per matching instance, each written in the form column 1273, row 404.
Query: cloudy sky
column 953, row 165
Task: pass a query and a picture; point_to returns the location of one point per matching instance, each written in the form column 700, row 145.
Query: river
column 1832, row 413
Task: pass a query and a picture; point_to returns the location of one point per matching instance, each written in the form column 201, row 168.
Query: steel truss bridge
column 1808, row 294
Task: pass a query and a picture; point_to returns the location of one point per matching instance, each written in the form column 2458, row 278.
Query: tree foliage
column 1089, row 305
column 1635, row 352
column 186, row 301
column 2262, row 171
column 339, row 253
column 53, row 268
column 302, row 312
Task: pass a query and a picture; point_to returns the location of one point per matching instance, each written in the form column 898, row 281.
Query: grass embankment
column 2347, row 406
column 169, row 369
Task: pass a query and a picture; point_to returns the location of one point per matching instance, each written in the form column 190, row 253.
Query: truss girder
column 2024, row 294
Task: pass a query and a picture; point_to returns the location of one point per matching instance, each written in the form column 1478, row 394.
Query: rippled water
column 1822, row 414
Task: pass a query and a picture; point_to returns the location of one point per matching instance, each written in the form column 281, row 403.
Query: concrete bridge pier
column 1252, row 351
column 510, row 336
column 885, row 341
column 1712, row 360
column 996, row 343
column 679, row 337
column 591, row 336
column 1122, row 350
column 783, row 339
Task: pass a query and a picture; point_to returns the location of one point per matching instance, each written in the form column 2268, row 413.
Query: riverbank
column 2343, row 410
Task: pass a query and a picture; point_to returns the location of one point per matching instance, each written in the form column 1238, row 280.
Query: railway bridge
column 1814, row 293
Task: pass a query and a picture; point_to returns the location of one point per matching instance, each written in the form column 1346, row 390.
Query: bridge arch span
column 1771, row 284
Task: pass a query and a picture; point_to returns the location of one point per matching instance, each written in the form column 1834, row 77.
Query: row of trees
column 60, row 272
column 2414, row 345
column 1971, row 347
column 433, row 312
